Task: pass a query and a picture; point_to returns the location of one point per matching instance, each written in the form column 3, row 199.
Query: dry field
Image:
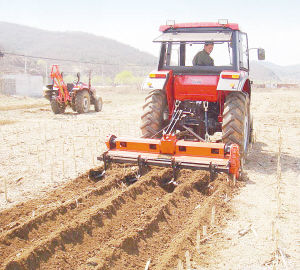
column 53, row 217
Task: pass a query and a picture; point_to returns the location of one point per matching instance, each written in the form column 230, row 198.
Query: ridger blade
column 177, row 154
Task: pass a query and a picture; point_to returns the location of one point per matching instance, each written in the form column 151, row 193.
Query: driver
column 203, row 58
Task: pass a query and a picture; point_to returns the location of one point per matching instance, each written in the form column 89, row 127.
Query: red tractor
column 78, row 95
column 197, row 112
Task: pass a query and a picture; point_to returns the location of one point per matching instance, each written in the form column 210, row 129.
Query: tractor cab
column 183, row 78
column 181, row 43
column 180, row 46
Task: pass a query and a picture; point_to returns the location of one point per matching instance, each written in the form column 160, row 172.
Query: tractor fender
column 156, row 80
column 77, row 89
column 232, row 80
column 161, row 80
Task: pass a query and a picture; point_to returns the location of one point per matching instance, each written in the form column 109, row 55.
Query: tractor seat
column 70, row 86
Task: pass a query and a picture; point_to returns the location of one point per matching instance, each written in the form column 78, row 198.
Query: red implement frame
column 58, row 82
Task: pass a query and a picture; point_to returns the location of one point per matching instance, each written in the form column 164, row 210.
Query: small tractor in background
column 196, row 116
column 78, row 95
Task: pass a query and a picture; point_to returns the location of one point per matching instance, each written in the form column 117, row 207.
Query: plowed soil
column 54, row 217
column 112, row 224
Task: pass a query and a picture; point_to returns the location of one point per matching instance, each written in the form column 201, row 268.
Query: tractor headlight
column 223, row 21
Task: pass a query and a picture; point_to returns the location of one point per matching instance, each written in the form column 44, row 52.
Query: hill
column 115, row 56
column 267, row 71
column 77, row 46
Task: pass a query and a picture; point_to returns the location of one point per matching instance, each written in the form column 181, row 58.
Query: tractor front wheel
column 57, row 107
column 152, row 118
column 82, row 101
column 236, row 121
column 98, row 104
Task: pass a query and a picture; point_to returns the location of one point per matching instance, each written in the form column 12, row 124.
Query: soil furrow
column 63, row 209
column 186, row 237
column 11, row 218
column 85, row 223
column 116, row 226
column 151, row 237
column 26, row 233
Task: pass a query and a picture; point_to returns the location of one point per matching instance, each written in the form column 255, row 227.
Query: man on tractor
column 203, row 58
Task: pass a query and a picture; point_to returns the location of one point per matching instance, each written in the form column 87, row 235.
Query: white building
column 21, row 84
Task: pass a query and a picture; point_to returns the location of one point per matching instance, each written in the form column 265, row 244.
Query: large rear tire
column 82, row 101
column 236, row 121
column 56, row 107
column 152, row 118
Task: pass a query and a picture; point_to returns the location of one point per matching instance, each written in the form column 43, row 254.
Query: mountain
column 267, row 71
column 84, row 47
column 77, row 46
column 259, row 72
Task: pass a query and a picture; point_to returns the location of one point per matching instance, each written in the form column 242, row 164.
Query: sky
column 270, row 24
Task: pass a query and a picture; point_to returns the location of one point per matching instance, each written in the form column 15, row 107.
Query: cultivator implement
column 176, row 154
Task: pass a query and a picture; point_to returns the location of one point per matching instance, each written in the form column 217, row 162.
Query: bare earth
column 53, row 218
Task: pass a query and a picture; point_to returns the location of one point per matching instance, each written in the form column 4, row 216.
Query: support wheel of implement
column 82, row 101
column 152, row 118
column 98, row 104
column 236, row 122
column 56, row 107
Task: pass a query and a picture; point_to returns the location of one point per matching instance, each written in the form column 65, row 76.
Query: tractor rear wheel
column 152, row 118
column 98, row 104
column 56, row 107
column 82, row 101
column 236, row 121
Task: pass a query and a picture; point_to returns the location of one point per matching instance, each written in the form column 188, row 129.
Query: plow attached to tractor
column 173, row 153
column 78, row 95
column 197, row 111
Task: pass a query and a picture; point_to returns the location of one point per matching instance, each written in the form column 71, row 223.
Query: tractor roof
column 233, row 26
